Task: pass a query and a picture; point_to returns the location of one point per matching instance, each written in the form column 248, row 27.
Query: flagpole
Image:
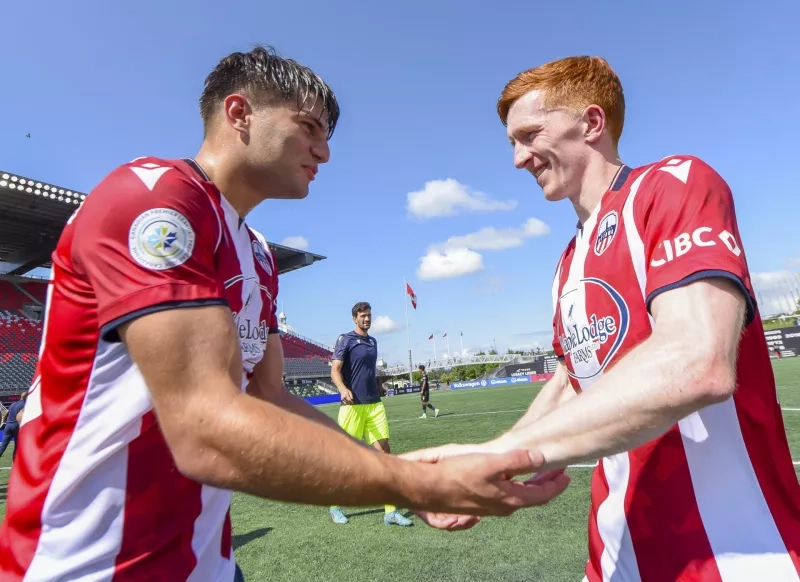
column 408, row 330
column 448, row 346
column 462, row 344
column 434, row 349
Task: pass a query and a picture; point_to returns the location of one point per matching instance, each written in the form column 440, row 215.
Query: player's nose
column 321, row 151
column 522, row 156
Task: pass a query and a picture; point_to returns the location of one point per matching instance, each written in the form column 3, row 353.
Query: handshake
column 457, row 484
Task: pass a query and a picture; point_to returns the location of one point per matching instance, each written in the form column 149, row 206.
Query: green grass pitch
column 282, row 542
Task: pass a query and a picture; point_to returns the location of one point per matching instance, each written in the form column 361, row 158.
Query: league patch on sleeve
column 161, row 239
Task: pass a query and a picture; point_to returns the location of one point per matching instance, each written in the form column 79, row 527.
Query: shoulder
column 146, row 184
column 151, row 173
column 676, row 172
column 678, row 183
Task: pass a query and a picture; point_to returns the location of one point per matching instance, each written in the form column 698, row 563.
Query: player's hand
column 347, row 396
column 481, row 484
column 544, row 476
column 436, row 454
column 448, row 521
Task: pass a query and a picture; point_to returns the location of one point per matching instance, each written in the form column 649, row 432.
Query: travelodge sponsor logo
column 582, row 340
column 252, row 337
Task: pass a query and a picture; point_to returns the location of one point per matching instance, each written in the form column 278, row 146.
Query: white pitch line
column 795, row 463
column 465, row 414
column 510, row 411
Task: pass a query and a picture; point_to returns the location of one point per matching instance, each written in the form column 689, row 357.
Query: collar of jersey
column 617, row 182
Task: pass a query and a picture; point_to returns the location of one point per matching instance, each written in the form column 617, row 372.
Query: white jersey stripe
column 611, row 523
column 70, row 541
column 742, row 554
column 618, row 561
column 573, row 303
column 634, row 239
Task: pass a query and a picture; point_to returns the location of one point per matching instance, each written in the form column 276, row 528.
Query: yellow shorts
column 365, row 422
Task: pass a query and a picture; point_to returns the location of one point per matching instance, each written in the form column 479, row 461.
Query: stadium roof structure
column 33, row 214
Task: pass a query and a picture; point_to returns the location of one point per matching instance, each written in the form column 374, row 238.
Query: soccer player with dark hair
column 159, row 387
column 664, row 371
column 362, row 414
column 425, row 394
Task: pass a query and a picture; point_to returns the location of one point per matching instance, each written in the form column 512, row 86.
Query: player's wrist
column 411, row 482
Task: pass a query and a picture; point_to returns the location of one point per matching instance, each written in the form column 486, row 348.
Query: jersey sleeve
column 340, row 349
column 689, row 230
column 145, row 240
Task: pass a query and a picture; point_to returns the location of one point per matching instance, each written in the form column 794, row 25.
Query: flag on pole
column 431, row 337
column 462, row 333
column 411, row 294
column 445, row 334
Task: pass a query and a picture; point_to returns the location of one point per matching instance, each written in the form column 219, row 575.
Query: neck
column 360, row 331
column 226, row 173
column 597, row 178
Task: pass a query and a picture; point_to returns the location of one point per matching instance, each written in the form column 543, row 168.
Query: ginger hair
column 574, row 83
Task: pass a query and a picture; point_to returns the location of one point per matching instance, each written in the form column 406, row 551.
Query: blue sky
column 97, row 84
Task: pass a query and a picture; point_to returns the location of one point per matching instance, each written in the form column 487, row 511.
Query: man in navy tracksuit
column 12, row 425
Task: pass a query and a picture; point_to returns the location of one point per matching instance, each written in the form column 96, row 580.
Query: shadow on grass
column 241, row 540
column 363, row 512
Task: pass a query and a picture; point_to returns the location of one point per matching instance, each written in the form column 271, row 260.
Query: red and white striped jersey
column 95, row 494
column 716, row 497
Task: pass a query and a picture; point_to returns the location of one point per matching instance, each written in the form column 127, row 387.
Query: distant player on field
column 664, row 370
column 10, row 423
column 362, row 414
column 159, row 387
column 425, row 394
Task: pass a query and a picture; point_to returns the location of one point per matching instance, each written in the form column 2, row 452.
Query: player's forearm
column 259, row 448
column 555, row 392
column 338, row 380
column 639, row 399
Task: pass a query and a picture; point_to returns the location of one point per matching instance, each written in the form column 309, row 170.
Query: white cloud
column 458, row 255
column 383, row 324
column 497, row 239
column 449, row 263
column 295, row 242
column 449, row 197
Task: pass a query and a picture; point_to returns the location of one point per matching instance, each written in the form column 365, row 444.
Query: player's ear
column 238, row 112
column 594, row 119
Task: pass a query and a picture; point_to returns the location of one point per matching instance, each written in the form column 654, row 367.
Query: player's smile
column 539, row 169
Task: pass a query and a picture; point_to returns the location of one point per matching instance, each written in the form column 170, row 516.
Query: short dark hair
column 422, row 367
column 269, row 77
column 361, row 307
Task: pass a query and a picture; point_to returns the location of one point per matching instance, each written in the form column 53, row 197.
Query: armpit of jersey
column 145, row 240
column 685, row 214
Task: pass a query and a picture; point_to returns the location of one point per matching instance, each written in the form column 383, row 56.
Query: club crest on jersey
column 606, row 229
column 583, row 340
column 262, row 257
column 161, row 239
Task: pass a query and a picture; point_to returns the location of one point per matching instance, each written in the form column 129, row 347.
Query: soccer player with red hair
column 664, row 371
